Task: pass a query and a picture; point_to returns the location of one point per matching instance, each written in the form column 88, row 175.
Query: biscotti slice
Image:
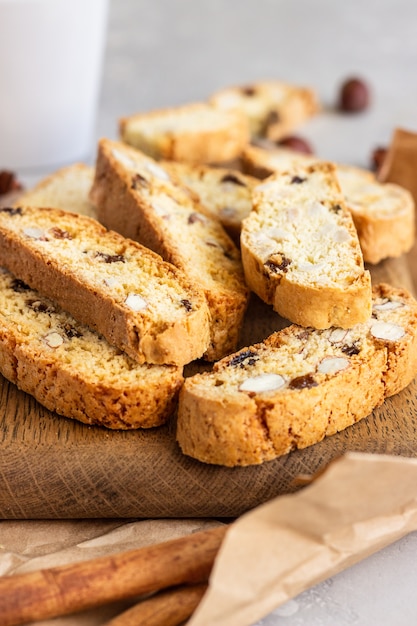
column 273, row 108
column 74, row 371
column 138, row 198
column 264, row 159
column 141, row 304
column 194, row 133
column 67, row 189
column 300, row 250
column 298, row 386
column 225, row 193
column 383, row 214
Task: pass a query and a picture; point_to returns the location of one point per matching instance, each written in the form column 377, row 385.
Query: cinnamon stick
column 76, row 587
column 168, row 608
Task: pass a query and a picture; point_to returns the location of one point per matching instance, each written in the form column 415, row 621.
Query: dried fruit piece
column 232, row 178
column 278, row 263
column 303, row 382
column 248, row 357
column 110, row 258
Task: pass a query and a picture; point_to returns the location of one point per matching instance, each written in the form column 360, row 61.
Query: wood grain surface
column 53, row 467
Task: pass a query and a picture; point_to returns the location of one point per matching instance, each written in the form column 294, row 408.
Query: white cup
column 51, row 57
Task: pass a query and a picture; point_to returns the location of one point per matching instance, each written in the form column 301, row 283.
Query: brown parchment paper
column 360, row 504
column 400, row 163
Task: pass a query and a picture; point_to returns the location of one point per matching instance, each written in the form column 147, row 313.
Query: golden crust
column 74, row 274
column 193, row 133
column 161, row 214
column 73, row 371
column 306, row 226
column 222, row 422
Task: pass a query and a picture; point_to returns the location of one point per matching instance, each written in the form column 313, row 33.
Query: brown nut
column 378, row 156
column 295, row 143
column 8, row 182
column 354, row 96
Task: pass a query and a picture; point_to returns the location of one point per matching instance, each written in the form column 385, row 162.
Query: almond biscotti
column 299, row 385
column 135, row 196
column 67, row 188
column 273, row 108
column 225, row 193
column 141, row 304
column 193, row 133
column 300, row 250
column 75, row 372
column 383, row 214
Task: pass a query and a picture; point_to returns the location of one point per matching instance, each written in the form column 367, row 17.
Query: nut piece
column 34, row 233
column 135, row 302
column 337, row 335
column 8, row 182
column 295, row 143
column 332, row 364
column 54, row 340
column 388, row 305
column 377, row 158
column 264, row 382
column 157, row 171
column 354, row 96
column 387, row 331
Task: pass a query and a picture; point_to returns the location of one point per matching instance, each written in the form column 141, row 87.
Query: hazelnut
column 354, row 96
column 8, row 182
column 378, row 156
column 295, row 143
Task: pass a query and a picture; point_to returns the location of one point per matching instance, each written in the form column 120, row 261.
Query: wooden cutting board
column 53, row 467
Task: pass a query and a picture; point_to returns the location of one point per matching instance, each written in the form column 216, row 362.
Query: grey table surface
column 161, row 53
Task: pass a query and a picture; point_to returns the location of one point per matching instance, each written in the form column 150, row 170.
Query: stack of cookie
column 182, row 218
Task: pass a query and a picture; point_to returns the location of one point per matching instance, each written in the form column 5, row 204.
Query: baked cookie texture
column 75, row 372
column 67, row 189
column 225, row 193
column 141, row 304
column 273, row 108
column 136, row 197
column 195, row 133
column 383, row 213
column 300, row 250
column 299, row 385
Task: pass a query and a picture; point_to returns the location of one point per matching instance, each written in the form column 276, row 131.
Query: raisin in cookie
column 300, row 250
column 141, row 304
column 135, row 196
column 75, row 372
column 299, row 385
